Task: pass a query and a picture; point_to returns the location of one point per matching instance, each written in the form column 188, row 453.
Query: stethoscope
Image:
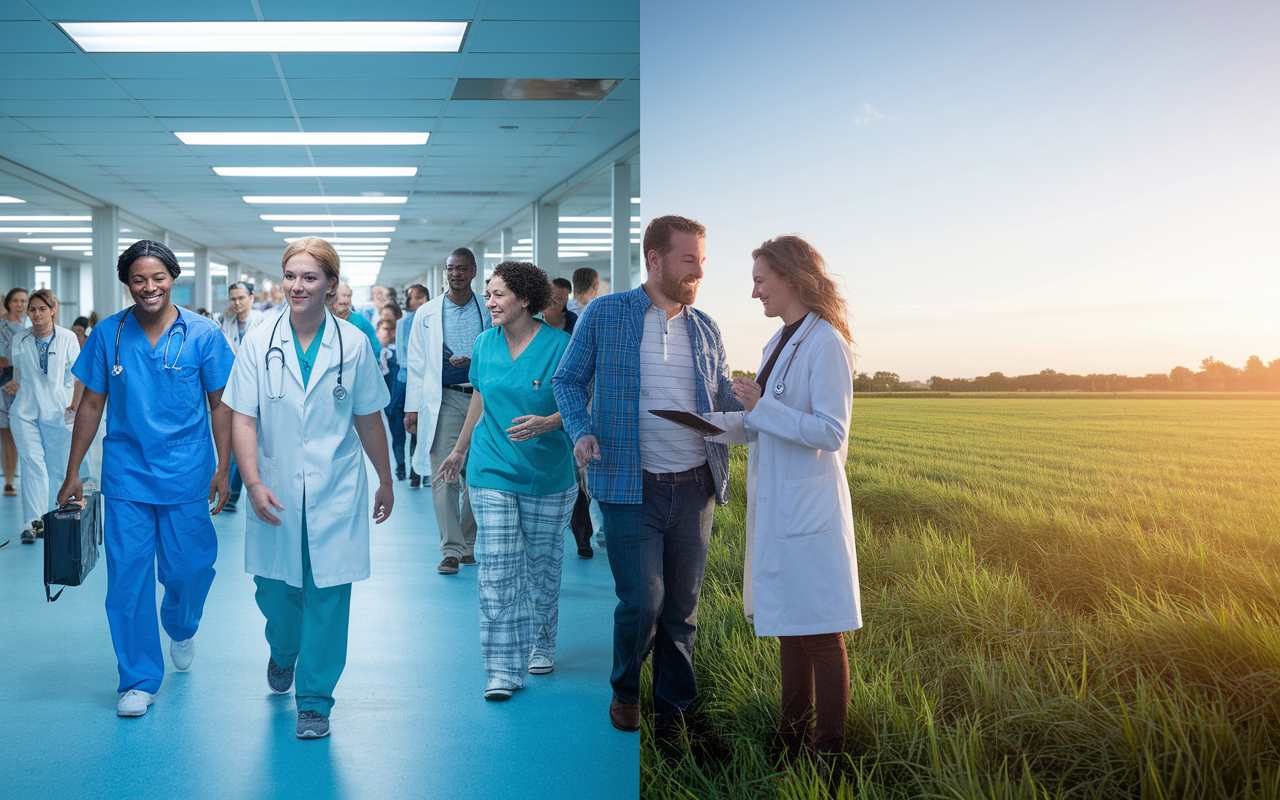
column 274, row 353
column 780, row 387
column 117, row 369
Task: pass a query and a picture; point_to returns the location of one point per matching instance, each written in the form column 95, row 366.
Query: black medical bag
column 71, row 537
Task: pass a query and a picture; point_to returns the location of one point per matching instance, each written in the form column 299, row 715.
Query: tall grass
column 1067, row 598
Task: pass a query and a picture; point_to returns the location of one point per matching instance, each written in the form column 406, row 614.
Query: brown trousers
column 815, row 687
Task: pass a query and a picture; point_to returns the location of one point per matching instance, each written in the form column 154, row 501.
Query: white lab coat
column 801, row 574
column 37, row 416
column 307, row 445
column 231, row 329
column 424, row 359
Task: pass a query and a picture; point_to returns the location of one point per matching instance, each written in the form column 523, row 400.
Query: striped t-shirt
column 667, row 382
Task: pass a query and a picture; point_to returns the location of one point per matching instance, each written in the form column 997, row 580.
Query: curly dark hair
column 526, row 282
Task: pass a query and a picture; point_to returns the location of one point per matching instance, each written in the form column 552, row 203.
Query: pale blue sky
column 1093, row 186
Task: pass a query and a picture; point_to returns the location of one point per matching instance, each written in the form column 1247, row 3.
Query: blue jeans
column 658, row 553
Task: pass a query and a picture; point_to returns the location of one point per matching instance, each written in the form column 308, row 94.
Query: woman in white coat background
column 801, row 577
column 307, row 396
column 43, row 391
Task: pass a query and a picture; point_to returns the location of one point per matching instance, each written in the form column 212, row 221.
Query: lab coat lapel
column 292, row 367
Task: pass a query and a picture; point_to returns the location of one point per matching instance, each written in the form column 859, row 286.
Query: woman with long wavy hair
column 801, row 576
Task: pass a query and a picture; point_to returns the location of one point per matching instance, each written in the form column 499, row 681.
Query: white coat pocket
column 346, row 486
column 807, row 506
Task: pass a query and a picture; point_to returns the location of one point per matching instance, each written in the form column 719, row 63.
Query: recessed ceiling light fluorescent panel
column 4, row 198
column 330, row 217
column 316, row 172
column 322, row 200
column 313, row 36
column 44, row 219
column 317, row 231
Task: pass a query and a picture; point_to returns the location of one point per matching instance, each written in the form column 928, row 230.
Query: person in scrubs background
column 340, row 305
column 307, row 394
column 12, row 323
column 522, row 478
column 44, row 393
column 241, row 318
column 164, row 368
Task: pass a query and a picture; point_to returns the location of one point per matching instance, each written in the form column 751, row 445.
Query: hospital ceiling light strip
column 44, row 219
column 43, row 240
column 46, row 230
column 316, row 172
column 330, row 217
column 365, row 239
column 345, row 229
column 260, row 138
column 311, row 36
column 321, row 199
column 4, row 198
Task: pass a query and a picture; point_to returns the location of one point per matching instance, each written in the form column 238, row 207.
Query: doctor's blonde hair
column 322, row 252
column 47, row 297
column 804, row 268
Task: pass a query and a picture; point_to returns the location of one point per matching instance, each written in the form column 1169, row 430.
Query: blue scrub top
column 159, row 446
column 543, row 464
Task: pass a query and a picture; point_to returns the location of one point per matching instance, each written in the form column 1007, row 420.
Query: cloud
column 870, row 116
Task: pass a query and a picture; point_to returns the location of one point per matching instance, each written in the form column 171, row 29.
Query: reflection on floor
column 410, row 719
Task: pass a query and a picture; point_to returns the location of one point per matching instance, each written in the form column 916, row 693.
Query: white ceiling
column 100, row 127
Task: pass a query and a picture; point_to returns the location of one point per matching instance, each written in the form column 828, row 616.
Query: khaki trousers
column 452, row 503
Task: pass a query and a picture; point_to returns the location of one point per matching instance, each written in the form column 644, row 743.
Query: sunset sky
column 1088, row 187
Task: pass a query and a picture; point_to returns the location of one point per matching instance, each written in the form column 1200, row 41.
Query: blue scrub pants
column 179, row 543
column 307, row 626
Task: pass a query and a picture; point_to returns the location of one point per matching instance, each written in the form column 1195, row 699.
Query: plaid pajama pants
column 520, row 550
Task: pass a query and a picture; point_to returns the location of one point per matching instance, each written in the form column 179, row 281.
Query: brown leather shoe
column 624, row 716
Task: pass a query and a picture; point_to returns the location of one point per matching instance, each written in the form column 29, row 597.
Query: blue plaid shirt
column 603, row 362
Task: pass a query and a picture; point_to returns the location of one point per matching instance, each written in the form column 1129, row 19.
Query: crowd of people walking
column 533, row 409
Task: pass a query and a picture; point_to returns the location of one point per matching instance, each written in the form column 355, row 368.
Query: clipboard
column 688, row 420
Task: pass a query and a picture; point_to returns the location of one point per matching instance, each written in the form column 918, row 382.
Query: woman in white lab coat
column 44, row 392
column 801, row 577
column 307, row 396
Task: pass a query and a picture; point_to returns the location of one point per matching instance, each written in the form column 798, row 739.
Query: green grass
column 1063, row 598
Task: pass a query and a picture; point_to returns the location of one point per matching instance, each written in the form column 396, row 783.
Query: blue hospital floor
column 410, row 720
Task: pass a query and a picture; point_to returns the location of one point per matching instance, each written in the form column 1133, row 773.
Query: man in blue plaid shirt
column 657, row 482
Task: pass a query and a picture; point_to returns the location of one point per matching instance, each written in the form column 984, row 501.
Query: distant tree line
column 1213, row 376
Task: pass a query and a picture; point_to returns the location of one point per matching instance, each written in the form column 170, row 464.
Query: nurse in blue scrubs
column 164, row 369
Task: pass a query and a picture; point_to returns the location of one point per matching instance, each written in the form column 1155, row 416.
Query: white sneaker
column 540, row 665
column 182, row 653
column 133, row 703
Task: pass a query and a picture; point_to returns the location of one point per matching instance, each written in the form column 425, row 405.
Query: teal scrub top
column 543, row 464
column 307, row 359
column 159, row 446
column 366, row 327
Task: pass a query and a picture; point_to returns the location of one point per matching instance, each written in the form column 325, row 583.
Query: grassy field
column 1062, row 598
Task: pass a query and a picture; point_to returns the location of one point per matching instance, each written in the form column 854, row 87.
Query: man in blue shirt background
column 164, row 368
column 656, row 482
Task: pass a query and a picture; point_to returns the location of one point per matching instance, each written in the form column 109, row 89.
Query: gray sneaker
column 279, row 679
column 312, row 725
column 449, row 566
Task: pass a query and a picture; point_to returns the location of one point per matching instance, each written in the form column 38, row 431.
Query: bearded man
column 657, row 482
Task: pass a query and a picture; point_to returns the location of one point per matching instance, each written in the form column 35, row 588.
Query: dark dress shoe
column 586, row 552
column 624, row 716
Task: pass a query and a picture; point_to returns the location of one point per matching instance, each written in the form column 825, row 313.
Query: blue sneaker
column 279, row 679
column 312, row 725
